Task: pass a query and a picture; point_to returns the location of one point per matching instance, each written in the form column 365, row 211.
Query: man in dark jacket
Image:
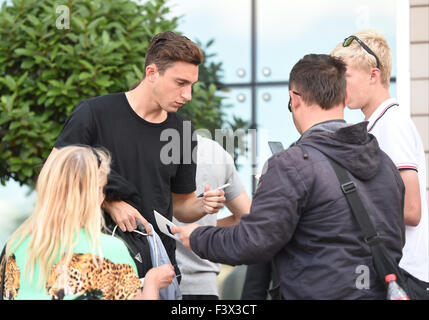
column 299, row 215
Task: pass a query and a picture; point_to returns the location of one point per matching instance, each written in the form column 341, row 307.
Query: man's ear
column 151, row 72
column 375, row 75
column 296, row 100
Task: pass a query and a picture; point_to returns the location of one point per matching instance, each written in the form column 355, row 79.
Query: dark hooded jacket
column 301, row 219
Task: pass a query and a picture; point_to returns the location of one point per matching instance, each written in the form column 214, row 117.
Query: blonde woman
column 59, row 252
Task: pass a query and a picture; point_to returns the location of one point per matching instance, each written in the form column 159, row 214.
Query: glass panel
column 15, row 205
column 287, row 31
column 275, row 122
column 353, row 115
column 228, row 23
column 392, row 89
column 240, row 101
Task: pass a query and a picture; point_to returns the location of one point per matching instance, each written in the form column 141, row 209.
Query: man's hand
column 188, row 208
column 162, row 276
column 125, row 215
column 185, row 233
column 155, row 279
column 213, row 200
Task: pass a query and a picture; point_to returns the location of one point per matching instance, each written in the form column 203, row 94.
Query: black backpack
column 138, row 247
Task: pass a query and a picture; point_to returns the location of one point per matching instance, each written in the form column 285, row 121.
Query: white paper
column 163, row 225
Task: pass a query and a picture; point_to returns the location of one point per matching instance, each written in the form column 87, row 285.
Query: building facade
column 419, row 72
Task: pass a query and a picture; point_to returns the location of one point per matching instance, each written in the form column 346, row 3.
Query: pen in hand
column 218, row 188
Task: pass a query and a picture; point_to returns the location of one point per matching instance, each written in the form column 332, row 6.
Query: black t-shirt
column 139, row 175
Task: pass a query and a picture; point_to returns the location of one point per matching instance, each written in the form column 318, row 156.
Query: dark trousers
column 257, row 282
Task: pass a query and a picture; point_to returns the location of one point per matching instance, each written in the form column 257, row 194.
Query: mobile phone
column 275, row 146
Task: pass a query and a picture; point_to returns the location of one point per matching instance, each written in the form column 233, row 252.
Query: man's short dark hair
column 168, row 47
column 320, row 79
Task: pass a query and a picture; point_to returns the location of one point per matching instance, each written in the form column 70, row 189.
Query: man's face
column 358, row 88
column 173, row 88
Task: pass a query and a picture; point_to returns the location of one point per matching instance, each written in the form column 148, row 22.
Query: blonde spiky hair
column 359, row 58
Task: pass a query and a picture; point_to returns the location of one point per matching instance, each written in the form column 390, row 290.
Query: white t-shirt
column 215, row 167
column 398, row 138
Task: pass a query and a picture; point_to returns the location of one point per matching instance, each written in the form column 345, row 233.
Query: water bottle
column 394, row 291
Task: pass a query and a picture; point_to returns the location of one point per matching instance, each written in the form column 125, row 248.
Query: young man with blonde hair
column 369, row 67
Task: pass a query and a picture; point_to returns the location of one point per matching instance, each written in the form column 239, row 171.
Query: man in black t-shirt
column 150, row 144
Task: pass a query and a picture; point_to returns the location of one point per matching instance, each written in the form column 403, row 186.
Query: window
column 275, row 35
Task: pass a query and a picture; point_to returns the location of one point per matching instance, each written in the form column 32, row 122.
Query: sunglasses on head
column 347, row 41
column 290, row 102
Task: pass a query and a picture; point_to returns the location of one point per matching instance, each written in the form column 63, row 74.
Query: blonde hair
column 358, row 57
column 68, row 189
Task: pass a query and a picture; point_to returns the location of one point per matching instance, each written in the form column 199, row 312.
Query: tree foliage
column 46, row 69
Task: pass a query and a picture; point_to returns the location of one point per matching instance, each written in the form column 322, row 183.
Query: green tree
column 54, row 53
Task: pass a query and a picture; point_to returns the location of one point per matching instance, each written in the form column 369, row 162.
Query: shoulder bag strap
column 349, row 188
column 383, row 263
